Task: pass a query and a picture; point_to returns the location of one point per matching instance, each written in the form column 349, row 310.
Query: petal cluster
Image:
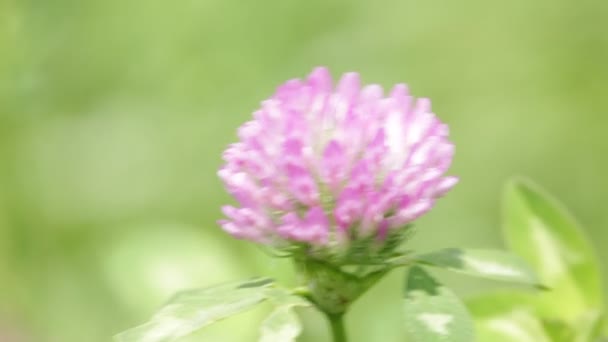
column 323, row 165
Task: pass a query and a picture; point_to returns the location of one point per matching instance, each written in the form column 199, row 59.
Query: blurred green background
column 114, row 113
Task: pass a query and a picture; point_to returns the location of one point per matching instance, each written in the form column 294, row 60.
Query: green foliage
column 281, row 325
column 432, row 312
column 506, row 316
column 191, row 310
column 492, row 264
column 538, row 228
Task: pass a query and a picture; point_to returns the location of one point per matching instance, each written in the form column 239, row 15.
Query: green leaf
column 588, row 327
column 283, row 297
column 506, row 317
column 192, row 310
column 433, row 312
column 603, row 328
column 558, row 331
column 490, row 264
column 282, row 324
column 539, row 229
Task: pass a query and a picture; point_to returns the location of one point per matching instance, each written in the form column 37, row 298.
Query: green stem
column 336, row 322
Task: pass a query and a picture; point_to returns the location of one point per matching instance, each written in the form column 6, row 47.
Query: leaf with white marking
column 491, row 264
column 433, row 313
column 540, row 230
column 192, row 310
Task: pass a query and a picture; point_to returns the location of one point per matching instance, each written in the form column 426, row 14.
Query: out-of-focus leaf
column 433, row 312
column 282, row 324
column 588, row 327
column 558, row 331
column 191, row 310
column 283, row 297
column 539, row 229
column 492, row 264
column 604, row 326
column 152, row 262
column 506, row 317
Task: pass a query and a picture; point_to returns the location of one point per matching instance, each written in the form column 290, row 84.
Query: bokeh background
column 114, row 113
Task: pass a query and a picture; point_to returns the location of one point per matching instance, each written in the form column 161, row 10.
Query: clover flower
column 333, row 177
column 325, row 167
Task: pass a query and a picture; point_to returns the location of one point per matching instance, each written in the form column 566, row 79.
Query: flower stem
column 336, row 322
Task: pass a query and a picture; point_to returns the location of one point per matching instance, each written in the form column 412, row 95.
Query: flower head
column 324, row 166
